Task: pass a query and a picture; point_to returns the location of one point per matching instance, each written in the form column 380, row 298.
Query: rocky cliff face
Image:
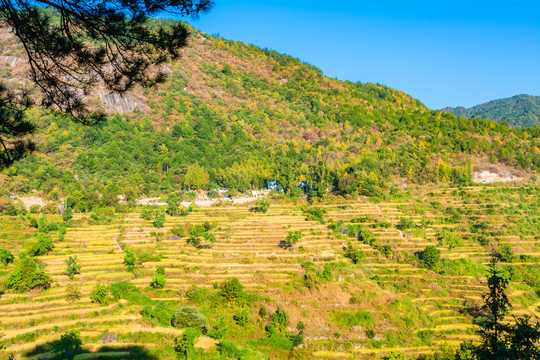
column 119, row 103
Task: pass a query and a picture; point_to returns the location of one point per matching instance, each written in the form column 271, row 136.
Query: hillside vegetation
column 234, row 115
column 355, row 275
column 517, row 111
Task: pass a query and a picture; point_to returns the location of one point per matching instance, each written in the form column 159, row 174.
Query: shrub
column 315, row 213
column 42, row 246
column 278, row 322
column 68, row 214
column 72, row 267
column 43, row 225
column 504, row 253
column 184, row 345
column 158, row 281
column 6, row 257
column 242, row 318
column 100, row 294
column 28, row 275
column 292, row 238
column 262, row 206
column 189, row 317
column 130, row 259
column 353, row 253
column 35, row 209
column 146, row 213
column 68, row 346
column 311, row 279
column 159, row 220
column 49, row 209
column 178, row 230
column 231, row 289
column 7, row 207
column 365, row 236
column 430, row 256
column 199, row 232
column 72, row 293
column 406, row 223
column 160, row 313
column 448, row 238
column 349, row 319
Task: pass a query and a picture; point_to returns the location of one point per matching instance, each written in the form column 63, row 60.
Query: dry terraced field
column 387, row 302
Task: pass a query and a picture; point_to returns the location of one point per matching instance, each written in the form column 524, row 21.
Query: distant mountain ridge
column 516, row 111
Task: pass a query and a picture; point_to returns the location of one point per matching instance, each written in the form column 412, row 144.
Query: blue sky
column 445, row 53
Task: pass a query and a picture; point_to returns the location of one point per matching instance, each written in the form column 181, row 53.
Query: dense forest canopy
column 519, row 110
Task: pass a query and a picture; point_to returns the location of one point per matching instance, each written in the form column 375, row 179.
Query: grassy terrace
column 392, row 290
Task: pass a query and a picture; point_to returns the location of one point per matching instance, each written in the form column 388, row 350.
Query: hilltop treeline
column 236, row 116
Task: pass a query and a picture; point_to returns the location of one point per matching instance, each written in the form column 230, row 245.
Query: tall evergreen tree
column 493, row 343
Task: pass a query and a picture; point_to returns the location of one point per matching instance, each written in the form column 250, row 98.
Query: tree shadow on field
column 133, row 352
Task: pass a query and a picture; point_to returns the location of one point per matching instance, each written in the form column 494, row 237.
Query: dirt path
column 393, row 225
column 201, row 203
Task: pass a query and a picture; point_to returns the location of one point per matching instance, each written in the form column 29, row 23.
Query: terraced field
column 362, row 310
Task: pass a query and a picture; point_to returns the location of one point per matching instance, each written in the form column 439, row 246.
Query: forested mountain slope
column 236, row 115
column 519, row 110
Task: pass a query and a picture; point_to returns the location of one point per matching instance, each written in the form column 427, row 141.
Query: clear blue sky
column 445, row 53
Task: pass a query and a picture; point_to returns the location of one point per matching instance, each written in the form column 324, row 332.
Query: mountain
column 519, row 110
column 234, row 115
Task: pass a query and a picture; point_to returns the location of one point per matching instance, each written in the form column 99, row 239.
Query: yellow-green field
column 410, row 309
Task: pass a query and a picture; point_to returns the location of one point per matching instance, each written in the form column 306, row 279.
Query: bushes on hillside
column 430, row 256
column 189, row 317
column 27, row 275
column 292, row 239
column 130, row 259
column 262, row 206
column 6, row 257
column 158, row 281
column 42, row 246
column 201, row 232
column 231, row 289
column 160, row 313
column 354, row 253
column 101, row 295
column 72, row 267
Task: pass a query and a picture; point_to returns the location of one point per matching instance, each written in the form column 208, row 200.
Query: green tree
column 524, row 339
column 70, row 40
column 68, row 346
column 42, row 246
column 184, row 345
column 158, row 281
column 27, row 275
column 6, row 257
column 100, row 294
column 231, row 289
column 72, row 267
column 43, row 225
column 196, row 177
column 159, row 219
column 496, row 304
column 430, row 256
column 262, row 206
column 292, row 239
column 279, row 321
column 68, row 214
column 354, row 253
column 189, row 317
column 130, row 258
